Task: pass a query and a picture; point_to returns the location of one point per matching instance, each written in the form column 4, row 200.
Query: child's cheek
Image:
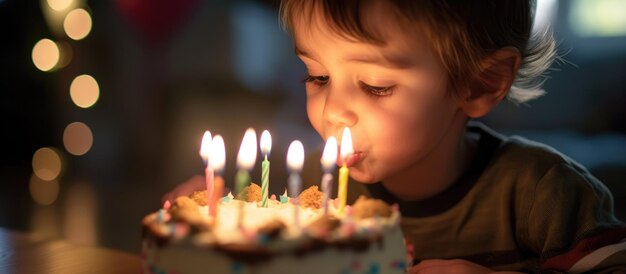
column 315, row 112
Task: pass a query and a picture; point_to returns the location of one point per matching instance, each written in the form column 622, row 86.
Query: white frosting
column 227, row 228
column 385, row 252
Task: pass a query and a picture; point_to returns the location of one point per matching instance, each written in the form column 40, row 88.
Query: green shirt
column 520, row 206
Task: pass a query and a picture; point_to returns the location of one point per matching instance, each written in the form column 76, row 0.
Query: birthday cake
column 288, row 236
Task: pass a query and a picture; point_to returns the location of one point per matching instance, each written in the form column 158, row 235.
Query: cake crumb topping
column 323, row 226
column 200, row 197
column 185, row 209
column 272, row 229
column 251, row 193
column 311, row 198
column 368, row 208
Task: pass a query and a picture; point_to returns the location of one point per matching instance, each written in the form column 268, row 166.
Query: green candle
column 242, row 179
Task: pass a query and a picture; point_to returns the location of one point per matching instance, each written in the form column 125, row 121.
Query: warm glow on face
column 205, row 146
column 295, row 156
column 77, row 138
column 329, row 156
column 77, row 24
column 45, row 54
column 59, row 5
column 346, row 144
column 43, row 192
column 218, row 154
column 266, row 143
column 247, row 151
column 84, row 91
column 47, row 164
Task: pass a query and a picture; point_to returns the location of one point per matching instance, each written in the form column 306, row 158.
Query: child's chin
column 363, row 177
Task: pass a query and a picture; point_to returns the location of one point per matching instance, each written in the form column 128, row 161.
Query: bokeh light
column 59, row 5
column 84, row 91
column 598, row 18
column 77, row 138
column 77, row 24
column 43, row 192
column 47, row 164
column 65, row 54
column 45, row 54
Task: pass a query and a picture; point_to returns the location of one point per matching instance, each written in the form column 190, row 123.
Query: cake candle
column 346, row 151
column 218, row 160
column 205, row 147
column 295, row 161
column 266, row 147
column 245, row 161
column 329, row 156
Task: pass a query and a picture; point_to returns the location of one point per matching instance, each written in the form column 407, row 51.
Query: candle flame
column 205, row 146
column 295, row 156
column 217, row 154
column 329, row 156
column 266, row 143
column 247, row 151
column 346, row 144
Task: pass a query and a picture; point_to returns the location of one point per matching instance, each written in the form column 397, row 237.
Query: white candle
column 329, row 156
column 266, row 147
column 245, row 161
column 295, row 161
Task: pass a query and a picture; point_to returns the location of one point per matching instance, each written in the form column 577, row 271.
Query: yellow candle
column 346, row 151
column 342, row 194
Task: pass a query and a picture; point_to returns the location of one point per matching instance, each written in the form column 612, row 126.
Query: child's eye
column 376, row 91
column 318, row 80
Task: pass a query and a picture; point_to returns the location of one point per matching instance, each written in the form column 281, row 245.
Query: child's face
column 393, row 98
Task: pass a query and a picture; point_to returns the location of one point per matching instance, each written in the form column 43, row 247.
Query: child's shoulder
column 518, row 156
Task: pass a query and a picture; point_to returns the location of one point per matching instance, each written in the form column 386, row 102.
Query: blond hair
column 462, row 33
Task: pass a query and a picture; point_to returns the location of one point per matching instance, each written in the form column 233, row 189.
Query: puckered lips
column 351, row 160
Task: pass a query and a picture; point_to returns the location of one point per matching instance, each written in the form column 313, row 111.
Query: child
column 405, row 77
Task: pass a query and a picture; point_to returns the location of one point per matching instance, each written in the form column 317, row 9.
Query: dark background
column 168, row 70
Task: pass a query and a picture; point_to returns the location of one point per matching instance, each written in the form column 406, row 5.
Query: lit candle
column 218, row 160
column 266, row 147
column 205, row 147
column 346, row 151
column 295, row 161
column 329, row 156
column 245, row 161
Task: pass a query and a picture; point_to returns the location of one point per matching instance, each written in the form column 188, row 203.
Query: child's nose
column 338, row 111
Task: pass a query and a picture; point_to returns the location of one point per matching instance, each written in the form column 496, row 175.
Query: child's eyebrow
column 300, row 52
column 388, row 60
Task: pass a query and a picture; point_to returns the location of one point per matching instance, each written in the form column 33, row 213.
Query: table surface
column 21, row 252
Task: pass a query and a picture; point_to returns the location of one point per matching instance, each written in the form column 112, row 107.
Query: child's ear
column 492, row 83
